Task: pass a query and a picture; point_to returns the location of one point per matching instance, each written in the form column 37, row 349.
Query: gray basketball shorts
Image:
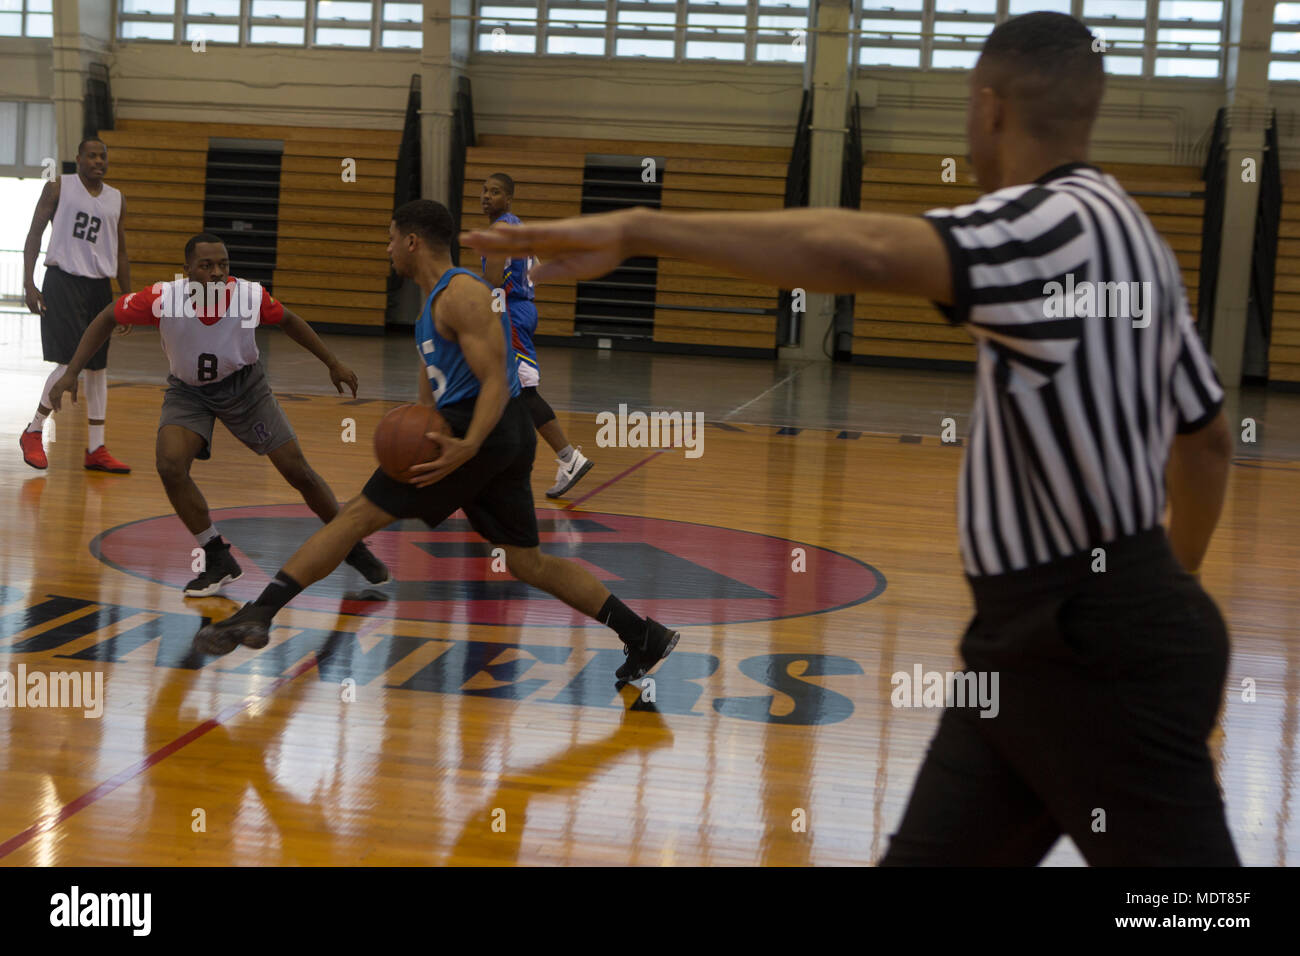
column 242, row 401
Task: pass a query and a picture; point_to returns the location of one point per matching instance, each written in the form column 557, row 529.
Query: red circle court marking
column 684, row 572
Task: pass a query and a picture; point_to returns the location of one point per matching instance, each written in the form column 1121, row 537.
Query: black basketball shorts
column 71, row 304
column 493, row 488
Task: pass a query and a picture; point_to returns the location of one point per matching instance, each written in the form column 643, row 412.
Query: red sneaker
column 101, row 460
column 33, row 453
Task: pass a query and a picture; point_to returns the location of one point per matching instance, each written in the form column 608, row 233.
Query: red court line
column 140, row 766
column 619, row 477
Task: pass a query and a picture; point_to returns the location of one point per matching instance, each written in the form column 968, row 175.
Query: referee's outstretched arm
column 1197, row 479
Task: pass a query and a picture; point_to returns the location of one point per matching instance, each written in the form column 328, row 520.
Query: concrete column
column 442, row 62
column 82, row 34
column 1250, row 26
column 829, row 69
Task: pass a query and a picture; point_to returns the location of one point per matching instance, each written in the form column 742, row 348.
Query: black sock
column 629, row 627
column 278, row 593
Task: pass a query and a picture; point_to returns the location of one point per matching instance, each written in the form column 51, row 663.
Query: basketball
column 400, row 440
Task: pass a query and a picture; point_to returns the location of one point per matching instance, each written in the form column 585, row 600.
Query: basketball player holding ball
column 467, row 373
column 511, row 276
column 215, row 374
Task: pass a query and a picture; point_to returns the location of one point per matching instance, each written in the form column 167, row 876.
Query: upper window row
column 368, row 24
column 1142, row 37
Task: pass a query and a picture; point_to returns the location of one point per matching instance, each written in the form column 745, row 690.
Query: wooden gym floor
column 807, row 554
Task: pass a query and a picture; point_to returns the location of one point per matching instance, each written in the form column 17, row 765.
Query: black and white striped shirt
column 1080, row 386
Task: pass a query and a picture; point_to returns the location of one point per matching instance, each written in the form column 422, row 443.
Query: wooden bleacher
column 896, row 327
column 1284, row 342
column 331, row 266
column 697, row 177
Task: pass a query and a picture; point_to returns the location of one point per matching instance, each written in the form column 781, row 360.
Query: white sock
column 39, row 420
column 203, row 537
column 565, row 453
column 96, row 404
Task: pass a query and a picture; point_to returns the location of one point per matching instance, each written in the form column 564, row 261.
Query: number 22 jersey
column 207, row 333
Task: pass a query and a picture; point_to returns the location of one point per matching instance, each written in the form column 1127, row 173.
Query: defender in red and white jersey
column 208, row 323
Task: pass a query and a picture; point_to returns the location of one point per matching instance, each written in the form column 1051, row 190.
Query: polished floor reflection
column 456, row 717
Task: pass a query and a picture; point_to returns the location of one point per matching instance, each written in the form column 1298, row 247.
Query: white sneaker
column 570, row 474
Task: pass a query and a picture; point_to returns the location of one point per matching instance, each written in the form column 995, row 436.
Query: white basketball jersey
column 83, row 236
column 201, row 353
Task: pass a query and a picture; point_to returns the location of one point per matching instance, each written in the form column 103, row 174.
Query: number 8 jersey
column 449, row 374
column 208, row 333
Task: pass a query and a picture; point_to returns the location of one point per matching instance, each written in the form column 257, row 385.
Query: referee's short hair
column 1048, row 66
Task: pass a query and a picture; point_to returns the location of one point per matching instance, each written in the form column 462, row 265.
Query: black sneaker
column 250, row 626
column 656, row 643
column 371, row 568
column 219, row 571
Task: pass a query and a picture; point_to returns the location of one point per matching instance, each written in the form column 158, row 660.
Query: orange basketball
column 400, row 441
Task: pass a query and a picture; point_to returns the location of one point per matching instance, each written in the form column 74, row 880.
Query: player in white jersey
column 208, row 323
column 87, row 248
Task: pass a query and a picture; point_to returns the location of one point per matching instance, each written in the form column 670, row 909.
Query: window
column 366, row 24
column 32, row 18
column 27, row 138
column 1285, row 62
column 1174, row 38
column 738, row 31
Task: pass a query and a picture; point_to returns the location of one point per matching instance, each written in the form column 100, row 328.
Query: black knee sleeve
column 537, row 406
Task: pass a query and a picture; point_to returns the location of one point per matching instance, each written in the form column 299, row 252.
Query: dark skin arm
column 297, row 329
column 464, row 315
column 92, row 340
column 45, row 207
column 1197, row 480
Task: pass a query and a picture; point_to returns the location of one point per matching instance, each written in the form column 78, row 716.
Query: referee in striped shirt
column 1095, row 405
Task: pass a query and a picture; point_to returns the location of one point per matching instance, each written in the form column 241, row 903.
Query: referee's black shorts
column 494, row 487
column 71, row 304
column 1109, row 685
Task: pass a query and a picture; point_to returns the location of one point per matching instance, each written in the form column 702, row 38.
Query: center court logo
column 674, row 571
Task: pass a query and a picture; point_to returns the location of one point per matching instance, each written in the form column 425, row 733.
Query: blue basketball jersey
column 515, row 281
column 450, row 375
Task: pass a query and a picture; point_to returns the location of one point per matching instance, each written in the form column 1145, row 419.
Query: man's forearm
column 31, row 249
column 1197, row 483
column 92, row 340
column 818, row 249
column 492, row 398
column 297, row 329
column 124, row 276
